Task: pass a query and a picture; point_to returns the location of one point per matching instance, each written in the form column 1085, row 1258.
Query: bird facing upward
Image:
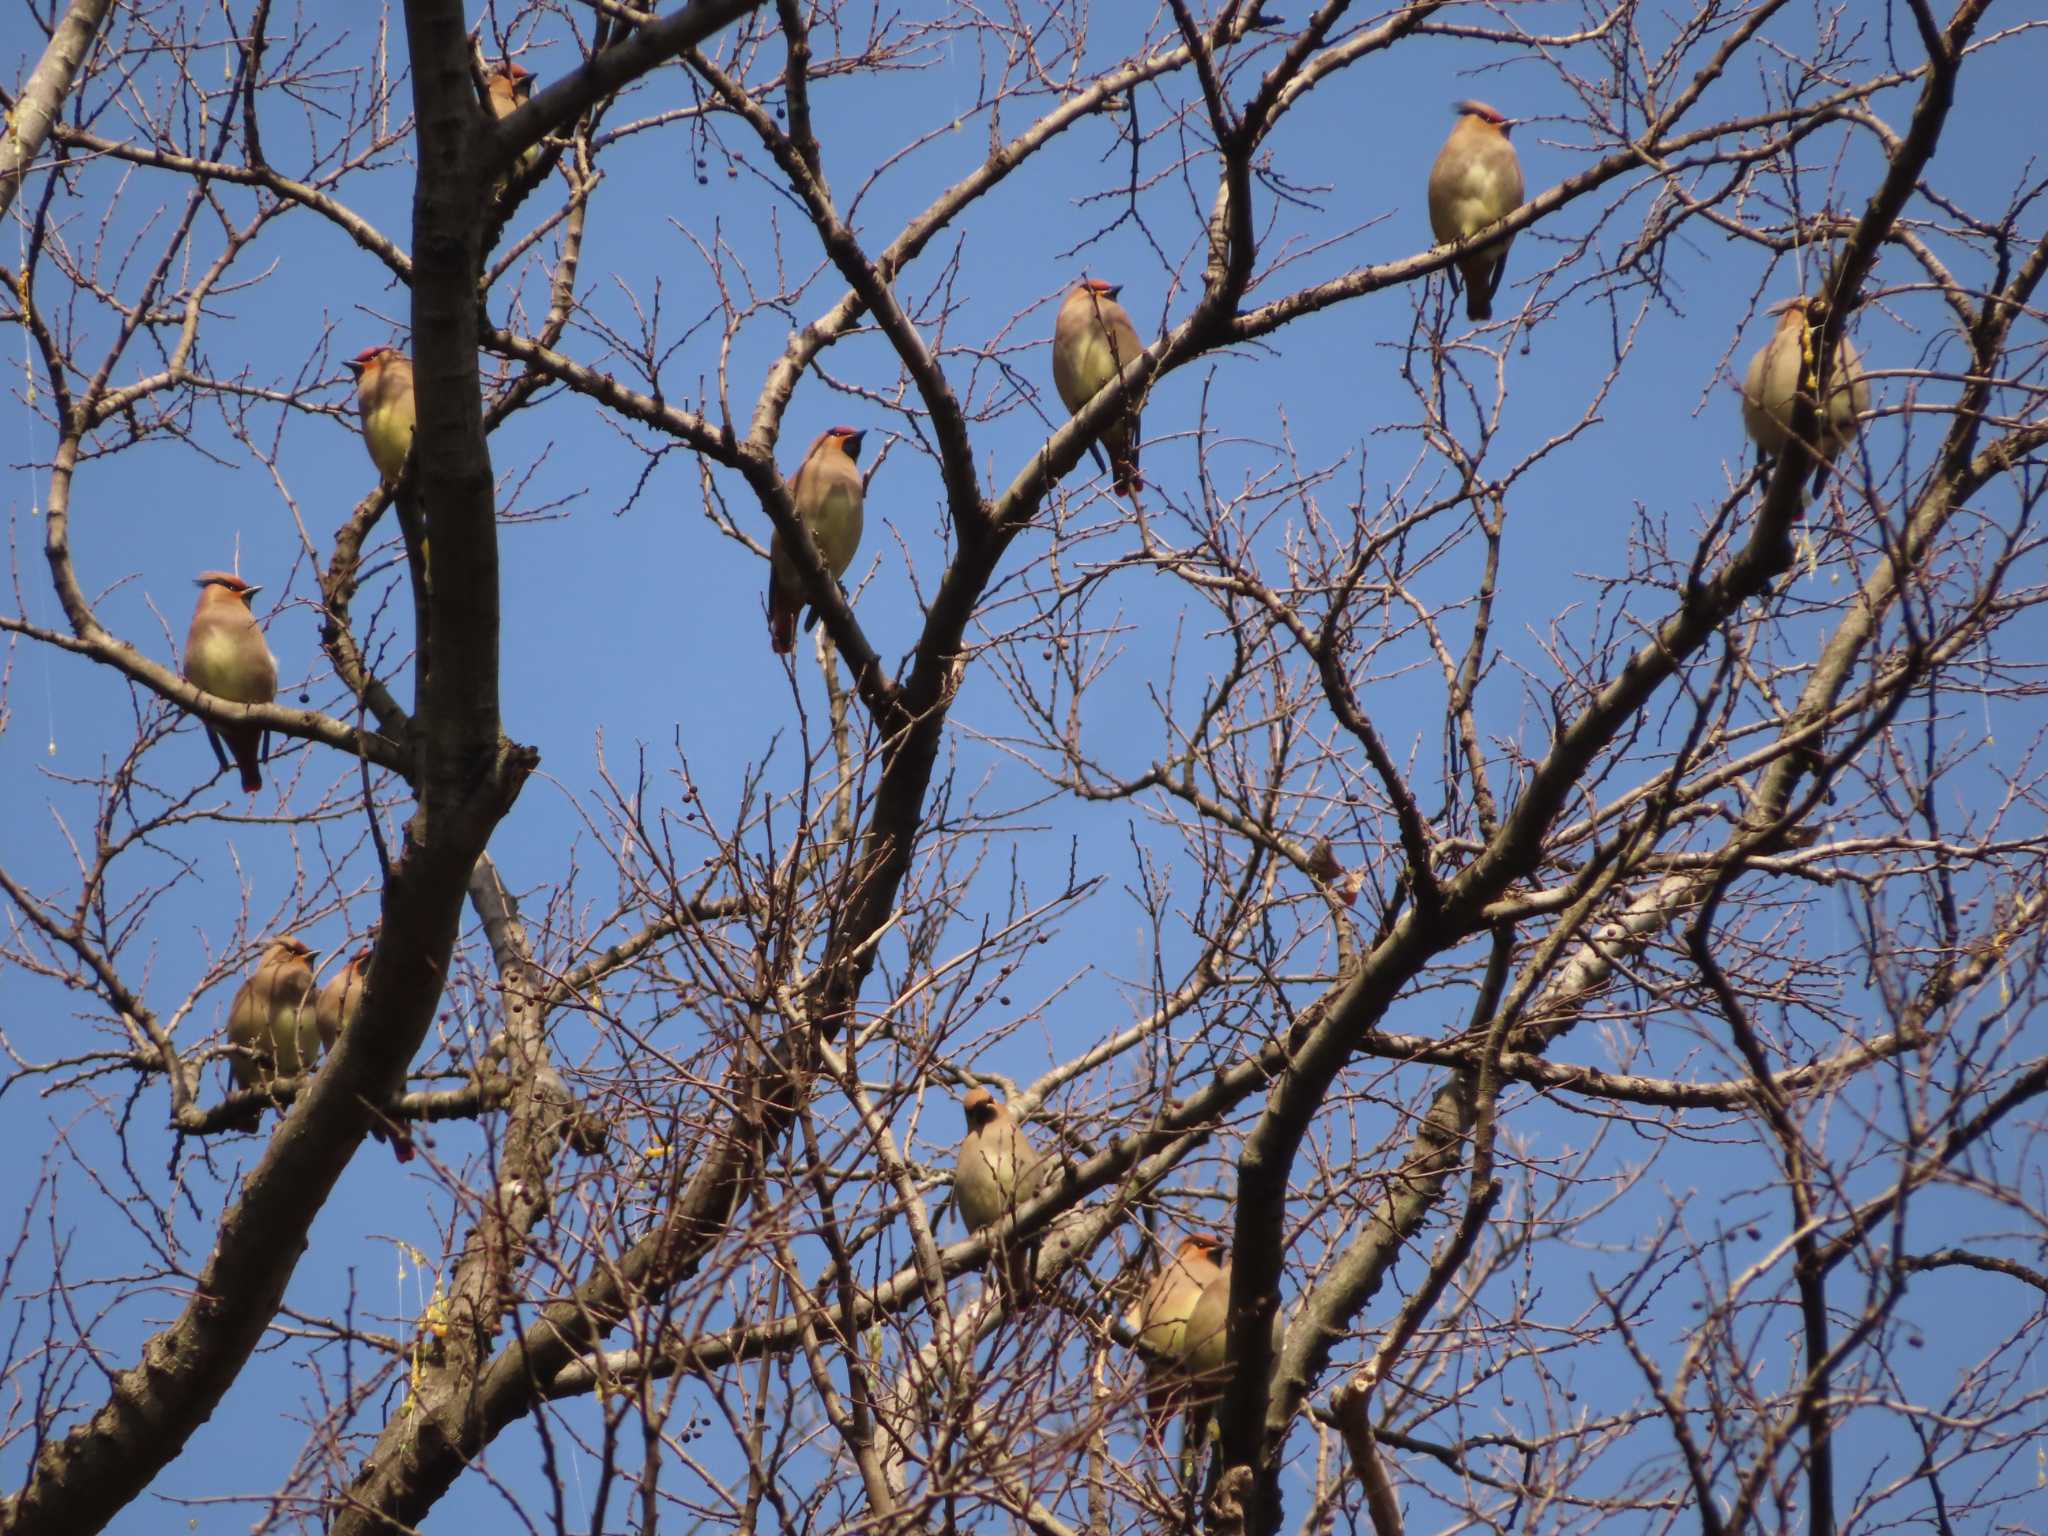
column 830, row 499
column 1476, row 181
column 226, row 655
column 1093, row 341
column 1782, row 374
column 272, row 1017
column 384, row 398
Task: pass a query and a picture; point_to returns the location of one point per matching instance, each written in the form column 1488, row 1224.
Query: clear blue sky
column 639, row 629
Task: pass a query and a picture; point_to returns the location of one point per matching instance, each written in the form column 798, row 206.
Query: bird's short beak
column 354, row 367
column 1115, row 289
column 249, row 592
column 854, row 440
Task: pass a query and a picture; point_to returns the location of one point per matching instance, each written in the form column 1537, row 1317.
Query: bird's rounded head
column 229, row 582
column 1493, row 117
column 370, row 357
column 848, row 438
column 288, row 948
column 518, row 81
column 1107, row 290
column 1207, row 1244
column 979, row 1106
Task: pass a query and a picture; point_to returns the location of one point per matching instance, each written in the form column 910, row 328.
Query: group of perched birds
column 1093, row 341
column 278, row 1022
column 278, row 1025
column 1180, row 1321
column 1477, row 181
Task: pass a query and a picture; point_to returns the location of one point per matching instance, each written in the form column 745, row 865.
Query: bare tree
column 1561, row 900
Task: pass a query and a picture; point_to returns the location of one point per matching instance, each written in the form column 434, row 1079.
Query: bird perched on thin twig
column 339, row 1004
column 272, row 1018
column 1785, row 372
column 226, row 655
column 1093, row 342
column 1160, row 1318
column 830, row 499
column 997, row 1170
column 1476, row 181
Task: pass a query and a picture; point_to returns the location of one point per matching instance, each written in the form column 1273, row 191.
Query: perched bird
column 341, row 999
column 1161, row 1316
column 1208, row 1338
column 1322, row 863
column 385, row 400
column 1093, row 341
column 226, row 655
column 507, row 88
column 830, row 499
column 272, row 1017
column 335, row 1011
column 997, row 1171
column 1782, row 374
column 1476, row 181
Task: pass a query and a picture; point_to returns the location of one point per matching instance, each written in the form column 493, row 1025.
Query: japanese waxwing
column 384, row 399
column 997, row 1171
column 272, row 1017
column 340, row 1001
column 225, row 654
column 1476, row 181
column 1093, row 340
column 1783, row 373
column 829, row 498
column 1160, row 1320
column 507, row 88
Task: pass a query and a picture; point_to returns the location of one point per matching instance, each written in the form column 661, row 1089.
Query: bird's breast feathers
column 1481, row 190
column 388, row 430
column 1096, row 363
column 835, row 522
column 230, row 665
